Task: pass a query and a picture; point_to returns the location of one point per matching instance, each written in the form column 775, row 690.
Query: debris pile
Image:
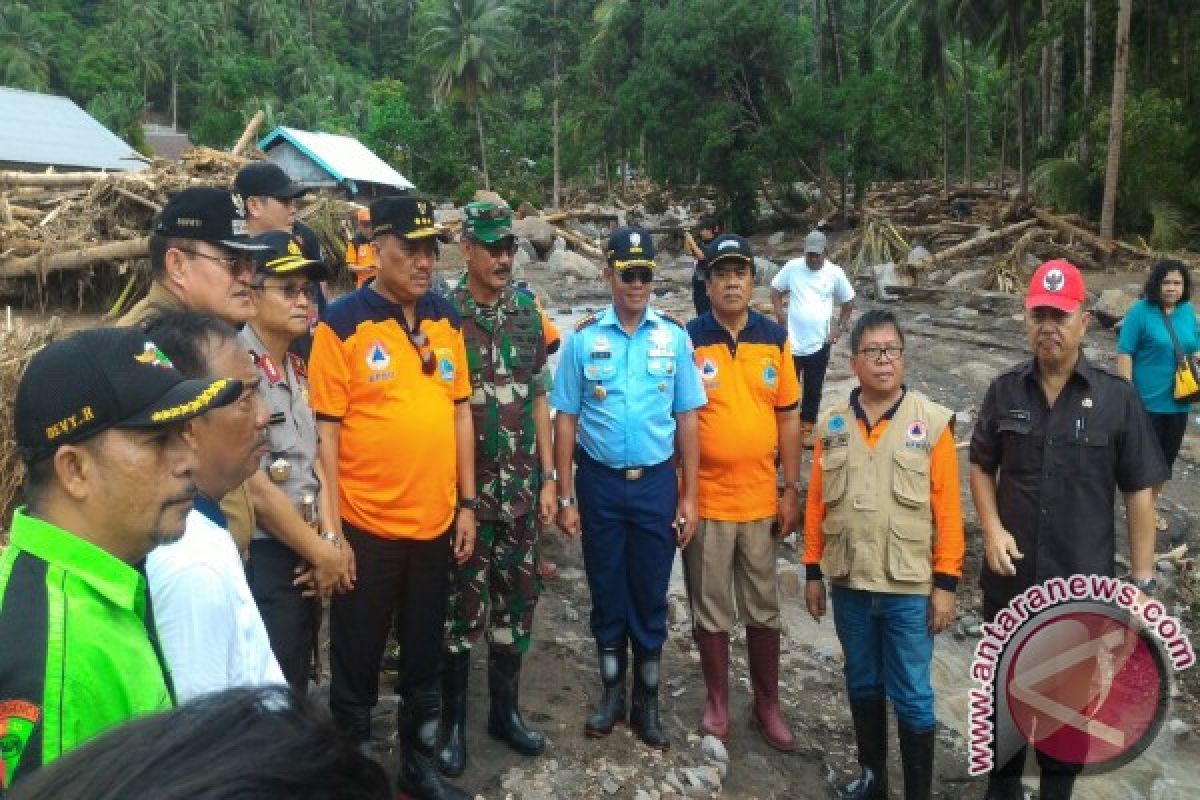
column 17, row 345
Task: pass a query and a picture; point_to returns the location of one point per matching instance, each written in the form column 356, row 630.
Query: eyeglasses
column 291, row 291
column 235, row 264
column 877, row 353
column 421, row 342
column 636, row 275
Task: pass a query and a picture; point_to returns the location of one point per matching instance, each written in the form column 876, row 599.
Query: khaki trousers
column 728, row 559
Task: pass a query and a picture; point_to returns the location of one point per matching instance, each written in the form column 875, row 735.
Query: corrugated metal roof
column 45, row 129
column 345, row 158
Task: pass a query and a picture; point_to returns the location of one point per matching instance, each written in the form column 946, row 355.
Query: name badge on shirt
column 661, row 352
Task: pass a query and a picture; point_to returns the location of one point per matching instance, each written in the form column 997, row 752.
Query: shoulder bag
column 1187, row 376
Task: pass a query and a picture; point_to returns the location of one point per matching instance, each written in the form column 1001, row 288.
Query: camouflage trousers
column 502, row 577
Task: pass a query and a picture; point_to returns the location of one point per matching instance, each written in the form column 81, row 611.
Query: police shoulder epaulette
column 672, row 318
column 588, row 320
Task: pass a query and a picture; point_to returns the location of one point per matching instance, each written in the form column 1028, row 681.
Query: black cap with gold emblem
column 630, row 247
column 408, row 216
column 208, row 214
column 105, row 378
column 285, row 256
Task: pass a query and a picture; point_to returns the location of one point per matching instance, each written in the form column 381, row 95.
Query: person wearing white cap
column 812, row 285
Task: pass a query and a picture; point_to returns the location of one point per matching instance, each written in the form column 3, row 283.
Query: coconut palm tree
column 23, row 56
column 465, row 38
column 1116, row 127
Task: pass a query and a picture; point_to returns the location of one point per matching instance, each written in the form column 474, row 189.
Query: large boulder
column 1112, row 306
column 565, row 263
column 537, row 232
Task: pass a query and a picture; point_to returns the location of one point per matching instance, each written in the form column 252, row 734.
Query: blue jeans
column 888, row 649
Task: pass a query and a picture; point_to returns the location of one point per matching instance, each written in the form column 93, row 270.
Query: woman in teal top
column 1146, row 354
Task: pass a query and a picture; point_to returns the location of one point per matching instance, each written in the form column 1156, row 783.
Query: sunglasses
column 636, row 275
column 421, row 342
column 234, row 264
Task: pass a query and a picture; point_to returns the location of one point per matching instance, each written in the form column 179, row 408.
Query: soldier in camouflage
column 506, row 354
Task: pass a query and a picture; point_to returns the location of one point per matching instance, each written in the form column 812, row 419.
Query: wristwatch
column 332, row 538
column 565, row 502
column 1147, row 586
column 469, row 503
column 550, row 475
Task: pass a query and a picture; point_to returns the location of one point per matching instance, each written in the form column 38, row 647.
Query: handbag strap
column 1179, row 354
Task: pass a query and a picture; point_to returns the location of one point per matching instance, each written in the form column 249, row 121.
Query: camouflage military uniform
column 507, row 359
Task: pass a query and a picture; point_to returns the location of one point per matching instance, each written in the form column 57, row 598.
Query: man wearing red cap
column 1056, row 437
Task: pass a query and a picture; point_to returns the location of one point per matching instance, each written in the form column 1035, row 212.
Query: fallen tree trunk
column 1098, row 243
column 247, row 138
column 47, row 179
column 75, row 259
column 972, row 246
column 581, row 244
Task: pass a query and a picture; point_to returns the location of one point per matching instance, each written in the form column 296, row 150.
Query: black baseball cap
column 208, row 214
column 727, row 246
column 266, row 179
column 630, row 247
column 105, row 378
column 407, row 216
column 285, row 256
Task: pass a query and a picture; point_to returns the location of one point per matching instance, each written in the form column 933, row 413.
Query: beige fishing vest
column 878, row 520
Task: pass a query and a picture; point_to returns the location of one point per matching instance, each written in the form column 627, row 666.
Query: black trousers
column 408, row 577
column 1015, row 766
column 292, row 620
column 1169, row 430
column 810, row 369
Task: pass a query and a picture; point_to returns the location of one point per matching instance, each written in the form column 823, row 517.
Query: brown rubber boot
column 714, row 662
column 762, row 645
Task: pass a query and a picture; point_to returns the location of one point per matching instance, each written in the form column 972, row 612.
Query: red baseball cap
column 1057, row 284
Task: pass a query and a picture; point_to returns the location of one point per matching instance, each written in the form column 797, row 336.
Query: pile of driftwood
column 983, row 226
column 17, row 345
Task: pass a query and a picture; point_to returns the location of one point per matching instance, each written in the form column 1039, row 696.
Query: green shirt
column 77, row 654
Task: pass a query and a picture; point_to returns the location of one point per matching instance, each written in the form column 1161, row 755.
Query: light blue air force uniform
column 625, row 391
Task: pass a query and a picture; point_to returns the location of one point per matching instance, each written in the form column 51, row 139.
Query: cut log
column 972, row 246
column 51, row 178
column 247, row 138
column 1098, row 243
column 581, row 244
column 137, row 198
column 74, row 259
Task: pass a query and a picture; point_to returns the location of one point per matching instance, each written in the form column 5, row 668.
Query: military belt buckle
column 634, row 474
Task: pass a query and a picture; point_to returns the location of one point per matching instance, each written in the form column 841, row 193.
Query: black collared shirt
column 1059, row 469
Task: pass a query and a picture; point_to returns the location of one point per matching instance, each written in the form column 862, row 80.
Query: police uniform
column 625, row 390
column 291, row 619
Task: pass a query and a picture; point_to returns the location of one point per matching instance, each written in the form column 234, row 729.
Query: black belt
column 628, row 473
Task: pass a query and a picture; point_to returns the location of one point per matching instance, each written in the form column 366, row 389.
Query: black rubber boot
column 610, row 710
column 452, row 756
column 643, row 710
column 1004, row 787
column 916, row 757
column 504, row 718
column 1056, row 785
column 419, row 779
column 870, row 731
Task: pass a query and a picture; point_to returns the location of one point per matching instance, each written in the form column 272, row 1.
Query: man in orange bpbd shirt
column 750, row 380
column 360, row 255
column 884, row 523
column 389, row 384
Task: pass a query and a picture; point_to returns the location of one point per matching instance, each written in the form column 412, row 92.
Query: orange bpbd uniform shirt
column 361, row 256
column 396, row 472
column 747, row 382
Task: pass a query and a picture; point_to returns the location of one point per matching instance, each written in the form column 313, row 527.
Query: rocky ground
column 956, row 346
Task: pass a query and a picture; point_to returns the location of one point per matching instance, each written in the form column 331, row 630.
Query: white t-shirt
column 212, row 635
column 810, row 304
